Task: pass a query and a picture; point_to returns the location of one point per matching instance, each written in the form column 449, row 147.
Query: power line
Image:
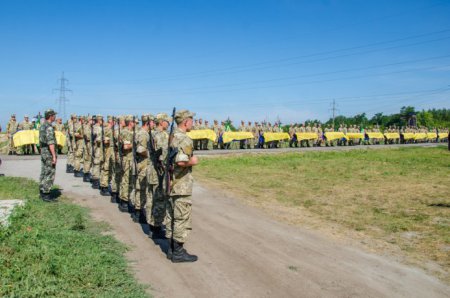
column 62, row 96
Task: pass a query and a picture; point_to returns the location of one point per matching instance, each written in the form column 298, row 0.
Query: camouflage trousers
column 70, row 152
column 98, row 162
column 116, row 175
column 179, row 210
column 87, row 161
column 126, row 184
column 78, row 156
column 11, row 145
column 47, row 171
column 140, row 194
column 105, row 170
column 155, row 208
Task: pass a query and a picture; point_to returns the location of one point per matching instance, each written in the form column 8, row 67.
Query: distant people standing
column 11, row 129
column 47, row 143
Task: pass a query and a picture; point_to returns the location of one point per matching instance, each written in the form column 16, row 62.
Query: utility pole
column 62, row 96
column 334, row 110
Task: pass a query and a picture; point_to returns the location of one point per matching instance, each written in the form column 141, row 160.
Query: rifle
column 92, row 140
column 113, row 137
column 134, row 148
column 171, row 153
column 154, row 158
column 119, row 145
column 70, row 138
column 73, row 132
column 103, row 140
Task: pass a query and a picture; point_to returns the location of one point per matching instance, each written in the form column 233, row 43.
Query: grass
column 55, row 250
column 400, row 196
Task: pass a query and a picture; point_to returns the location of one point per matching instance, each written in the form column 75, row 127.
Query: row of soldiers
column 259, row 128
column 126, row 161
column 14, row 126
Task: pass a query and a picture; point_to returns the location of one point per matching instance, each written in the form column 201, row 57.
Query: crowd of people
column 145, row 169
column 318, row 137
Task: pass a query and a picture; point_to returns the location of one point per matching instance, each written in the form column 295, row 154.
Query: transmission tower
column 62, row 96
column 334, row 110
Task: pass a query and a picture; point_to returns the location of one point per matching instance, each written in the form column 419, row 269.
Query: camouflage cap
column 99, row 117
column 145, row 118
column 25, row 116
column 109, row 118
column 73, row 116
column 49, row 113
column 182, row 115
column 151, row 117
column 162, row 117
column 13, row 115
column 128, row 118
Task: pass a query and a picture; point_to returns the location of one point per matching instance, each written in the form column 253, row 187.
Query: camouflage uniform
column 87, row 155
column 105, row 170
column 126, row 183
column 46, row 138
column 180, row 202
column 11, row 128
column 156, row 211
column 142, row 160
column 79, row 146
column 99, row 157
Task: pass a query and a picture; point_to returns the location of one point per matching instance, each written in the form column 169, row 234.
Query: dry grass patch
column 400, row 196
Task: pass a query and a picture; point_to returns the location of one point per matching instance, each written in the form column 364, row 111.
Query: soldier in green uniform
column 180, row 202
column 116, row 169
column 70, row 143
column 107, row 151
column 156, row 209
column 11, row 129
column 79, row 147
column 47, row 143
column 142, row 161
column 87, row 154
column 126, row 183
column 99, row 157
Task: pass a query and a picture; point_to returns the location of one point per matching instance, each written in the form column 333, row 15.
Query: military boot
column 70, row 169
column 67, row 168
column 104, row 191
column 114, row 198
column 135, row 215
column 86, row 177
column 180, row 255
column 169, row 250
column 158, row 233
column 123, row 206
column 95, row 183
column 78, row 174
column 46, row 197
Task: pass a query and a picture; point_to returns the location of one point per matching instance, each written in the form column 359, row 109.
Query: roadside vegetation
column 56, row 250
column 400, row 196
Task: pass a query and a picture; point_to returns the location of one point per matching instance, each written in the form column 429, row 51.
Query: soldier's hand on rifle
column 193, row 160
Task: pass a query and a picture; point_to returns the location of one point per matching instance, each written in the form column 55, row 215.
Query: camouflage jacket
column 46, row 135
column 183, row 181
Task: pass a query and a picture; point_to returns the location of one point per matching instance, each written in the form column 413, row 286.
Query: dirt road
column 242, row 253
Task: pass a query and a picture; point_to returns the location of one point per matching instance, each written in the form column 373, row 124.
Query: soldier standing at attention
column 79, row 146
column 59, row 126
column 47, row 143
column 180, row 202
column 126, row 183
column 156, row 210
column 70, row 144
column 105, row 169
column 142, row 161
column 99, row 157
column 11, row 128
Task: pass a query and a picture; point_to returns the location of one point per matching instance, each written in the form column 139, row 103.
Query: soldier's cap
column 162, row 117
column 73, row 116
column 25, row 116
column 49, row 113
column 99, row 117
column 145, row 118
column 128, row 118
column 109, row 118
column 182, row 115
column 13, row 115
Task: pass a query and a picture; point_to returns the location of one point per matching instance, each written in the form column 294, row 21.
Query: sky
column 251, row 60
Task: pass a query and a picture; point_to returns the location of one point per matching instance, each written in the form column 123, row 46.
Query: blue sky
column 250, row 60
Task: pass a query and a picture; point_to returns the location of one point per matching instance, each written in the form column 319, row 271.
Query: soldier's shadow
column 162, row 243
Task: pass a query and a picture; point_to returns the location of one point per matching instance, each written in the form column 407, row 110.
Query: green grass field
column 55, row 250
column 401, row 196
